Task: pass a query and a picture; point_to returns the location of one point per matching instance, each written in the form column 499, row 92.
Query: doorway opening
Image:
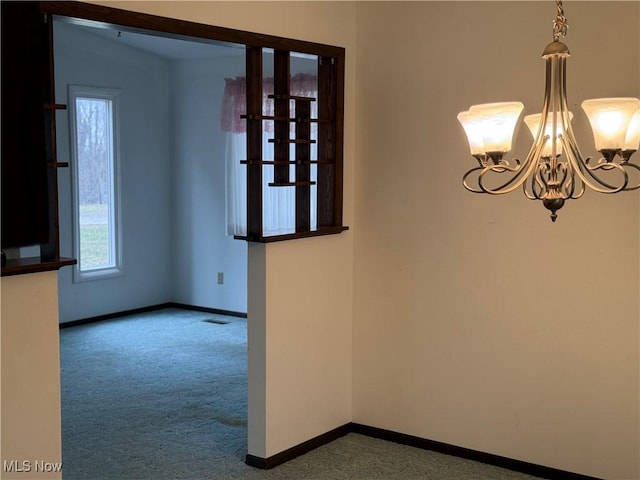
column 168, row 169
column 330, row 61
column 178, row 383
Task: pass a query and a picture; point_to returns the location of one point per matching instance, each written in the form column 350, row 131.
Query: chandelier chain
column 560, row 24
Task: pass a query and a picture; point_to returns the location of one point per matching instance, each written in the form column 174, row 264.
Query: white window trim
column 112, row 94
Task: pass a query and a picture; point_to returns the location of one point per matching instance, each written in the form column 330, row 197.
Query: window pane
column 95, row 183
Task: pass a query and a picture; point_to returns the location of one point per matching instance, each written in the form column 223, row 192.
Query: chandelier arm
column 502, row 168
column 570, row 192
column 635, row 167
column 529, row 190
column 556, row 87
column 607, row 167
column 499, row 168
column 608, row 188
column 566, row 183
column 537, row 178
column 569, row 186
column 566, row 186
column 581, row 190
column 586, row 172
column 505, row 168
column 543, row 169
column 523, row 171
column 466, row 185
column 540, row 139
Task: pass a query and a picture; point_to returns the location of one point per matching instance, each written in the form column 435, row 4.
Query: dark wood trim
column 281, row 89
column 21, row 266
column 287, row 96
column 51, row 249
column 290, row 162
column 110, row 316
column 54, row 106
column 292, row 236
column 301, row 449
column 151, row 308
column 284, row 119
column 539, row 471
column 217, row 311
column 291, row 141
column 25, row 90
column 303, row 168
column 306, row 183
column 124, row 20
column 327, row 147
column 338, row 180
column 254, row 142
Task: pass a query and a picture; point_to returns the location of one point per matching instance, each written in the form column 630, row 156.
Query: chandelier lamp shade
column 554, row 170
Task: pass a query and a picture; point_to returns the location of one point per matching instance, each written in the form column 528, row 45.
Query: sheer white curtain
column 236, row 183
column 278, row 203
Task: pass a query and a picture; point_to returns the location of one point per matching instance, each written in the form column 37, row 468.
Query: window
column 94, row 152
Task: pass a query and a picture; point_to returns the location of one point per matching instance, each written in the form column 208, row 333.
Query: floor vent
column 217, row 322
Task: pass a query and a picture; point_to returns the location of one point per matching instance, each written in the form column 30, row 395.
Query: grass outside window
column 94, row 234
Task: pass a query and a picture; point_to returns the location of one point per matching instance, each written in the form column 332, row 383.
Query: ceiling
column 168, row 48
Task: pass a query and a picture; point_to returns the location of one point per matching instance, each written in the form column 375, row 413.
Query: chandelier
column 554, row 170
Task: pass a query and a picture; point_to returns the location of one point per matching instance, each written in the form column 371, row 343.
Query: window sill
column 21, row 266
column 293, row 236
column 98, row 274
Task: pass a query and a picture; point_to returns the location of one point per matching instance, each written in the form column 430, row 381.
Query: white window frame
column 113, row 95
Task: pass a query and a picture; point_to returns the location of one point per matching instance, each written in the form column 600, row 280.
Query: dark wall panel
column 25, row 217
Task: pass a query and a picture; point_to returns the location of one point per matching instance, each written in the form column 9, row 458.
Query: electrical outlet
column 220, row 278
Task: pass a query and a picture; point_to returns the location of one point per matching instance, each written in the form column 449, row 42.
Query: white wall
column 85, row 59
column 30, row 372
column 478, row 322
column 201, row 247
